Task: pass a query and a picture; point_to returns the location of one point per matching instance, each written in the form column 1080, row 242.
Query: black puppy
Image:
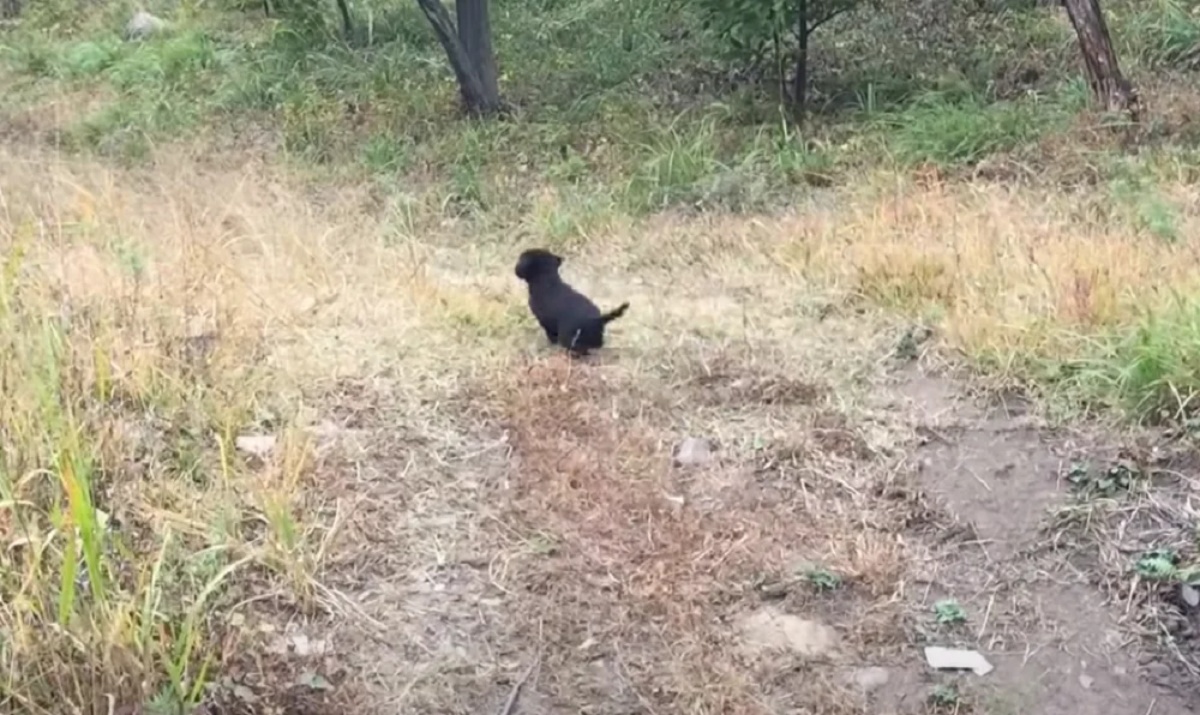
column 567, row 316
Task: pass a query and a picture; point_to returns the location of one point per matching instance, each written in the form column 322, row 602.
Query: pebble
column 1190, row 595
column 143, row 25
column 693, row 452
column 871, row 678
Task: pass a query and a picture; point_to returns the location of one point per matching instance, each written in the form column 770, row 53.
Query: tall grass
column 119, row 510
column 953, row 131
column 1149, row 370
column 1161, row 34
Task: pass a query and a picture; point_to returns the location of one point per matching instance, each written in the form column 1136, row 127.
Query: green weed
column 1150, row 370
column 1164, row 565
column 945, row 697
column 823, row 579
column 951, row 132
column 949, row 612
column 1118, row 478
column 1161, row 33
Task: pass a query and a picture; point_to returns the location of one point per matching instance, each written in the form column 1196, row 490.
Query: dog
column 567, row 316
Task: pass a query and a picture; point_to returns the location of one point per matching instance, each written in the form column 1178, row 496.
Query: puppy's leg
column 574, row 340
column 551, row 332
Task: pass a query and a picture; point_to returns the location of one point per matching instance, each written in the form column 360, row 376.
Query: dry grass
column 145, row 319
column 1004, row 270
column 152, row 316
column 645, row 566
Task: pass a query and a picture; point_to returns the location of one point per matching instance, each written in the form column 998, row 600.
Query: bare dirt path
column 1057, row 643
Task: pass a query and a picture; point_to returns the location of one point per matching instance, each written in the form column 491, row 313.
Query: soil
column 511, row 583
column 1056, row 644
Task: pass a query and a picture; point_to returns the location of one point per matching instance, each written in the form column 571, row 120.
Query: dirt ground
column 763, row 497
column 544, row 549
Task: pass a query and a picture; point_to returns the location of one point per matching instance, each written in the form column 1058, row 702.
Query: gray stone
column 693, row 452
column 143, row 25
column 1190, row 595
column 871, row 679
column 259, row 445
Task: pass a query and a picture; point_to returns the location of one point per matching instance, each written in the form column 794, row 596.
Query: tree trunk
column 476, row 98
column 475, row 32
column 1109, row 87
column 800, row 80
column 347, row 24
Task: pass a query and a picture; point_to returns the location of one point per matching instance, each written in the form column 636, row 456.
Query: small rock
column 1086, row 681
column 954, row 659
column 303, row 646
column 693, row 452
column 143, row 25
column 259, row 445
column 313, row 680
column 871, row 679
column 1158, row 672
column 300, row 643
column 1190, row 595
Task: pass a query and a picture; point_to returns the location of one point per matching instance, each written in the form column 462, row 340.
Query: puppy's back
column 570, row 316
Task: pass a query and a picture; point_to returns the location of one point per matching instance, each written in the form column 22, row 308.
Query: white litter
column 954, row 659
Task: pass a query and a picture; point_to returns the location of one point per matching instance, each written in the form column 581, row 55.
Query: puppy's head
column 537, row 262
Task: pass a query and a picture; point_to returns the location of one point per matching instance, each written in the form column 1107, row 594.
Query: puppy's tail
column 614, row 314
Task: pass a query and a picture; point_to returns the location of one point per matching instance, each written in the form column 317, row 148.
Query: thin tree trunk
column 347, row 24
column 476, row 99
column 1109, row 87
column 469, row 84
column 475, row 33
column 780, row 68
column 800, row 80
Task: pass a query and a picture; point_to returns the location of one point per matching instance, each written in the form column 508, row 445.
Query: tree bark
column 1109, row 87
column 475, row 33
column 476, row 98
column 347, row 23
column 800, row 80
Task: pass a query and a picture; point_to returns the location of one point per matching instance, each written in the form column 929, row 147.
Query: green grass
column 123, row 507
column 949, row 132
column 580, row 75
column 1150, row 370
column 1160, row 34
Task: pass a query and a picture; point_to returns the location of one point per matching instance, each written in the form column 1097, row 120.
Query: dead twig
column 515, row 693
